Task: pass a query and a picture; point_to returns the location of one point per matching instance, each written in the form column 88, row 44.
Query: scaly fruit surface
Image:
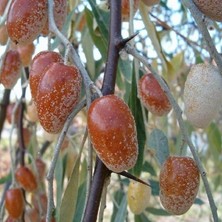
column 179, row 183
column 26, row 19
column 202, row 94
column 152, row 95
column 58, row 93
column 113, row 133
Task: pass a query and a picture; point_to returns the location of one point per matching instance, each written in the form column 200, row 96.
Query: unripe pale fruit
column 202, row 94
column 39, row 63
column 14, row 202
column 151, row 2
column 152, row 95
column 10, row 71
column 113, row 133
column 58, row 93
column 26, row 19
column 179, row 183
column 210, row 8
column 138, row 197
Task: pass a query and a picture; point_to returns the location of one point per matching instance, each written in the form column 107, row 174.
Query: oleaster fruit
column 26, row 19
column 152, row 95
column 39, row 63
column 138, row 197
column 60, row 12
column 14, row 202
column 112, row 132
column 10, row 70
column 58, row 93
column 210, row 8
column 179, row 183
column 125, row 6
column 202, row 94
column 26, row 178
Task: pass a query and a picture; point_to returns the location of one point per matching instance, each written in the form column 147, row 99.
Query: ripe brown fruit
column 210, row 8
column 26, row 178
column 3, row 35
column 14, row 202
column 60, row 12
column 179, row 183
column 26, row 52
column 202, row 94
column 39, row 63
column 58, row 93
column 26, row 19
column 9, row 113
column 138, row 197
column 112, row 132
column 152, row 95
column 126, row 9
column 10, row 71
column 41, row 168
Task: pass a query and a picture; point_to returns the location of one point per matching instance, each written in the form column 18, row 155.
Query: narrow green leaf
column 69, row 200
column 147, row 167
column 141, row 218
column 5, row 178
column 121, row 213
column 135, row 106
column 59, row 177
column 198, row 201
column 117, row 197
column 214, row 139
column 155, row 187
column 80, row 203
column 157, row 211
column 158, row 142
column 87, row 45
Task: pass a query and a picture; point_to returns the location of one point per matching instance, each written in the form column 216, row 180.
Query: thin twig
column 183, row 128
column 198, row 16
column 50, row 175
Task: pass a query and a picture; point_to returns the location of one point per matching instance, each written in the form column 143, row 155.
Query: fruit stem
column 198, row 17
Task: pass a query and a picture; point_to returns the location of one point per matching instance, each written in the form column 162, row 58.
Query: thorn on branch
column 122, row 42
column 130, row 176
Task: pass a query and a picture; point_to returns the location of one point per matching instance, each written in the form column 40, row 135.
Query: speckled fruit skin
column 151, row 2
column 26, row 178
column 211, row 8
column 10, row 71
column 14, row 202
column 112, row 132
column 3, row 35
column 60, row 12
column 179, row 182
column 58, row 93
column 126, row 9
column 39, row 63
column 26, row 19
column 152, row 95
column 138, row 197
column 26, row 52
column 202, row 94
